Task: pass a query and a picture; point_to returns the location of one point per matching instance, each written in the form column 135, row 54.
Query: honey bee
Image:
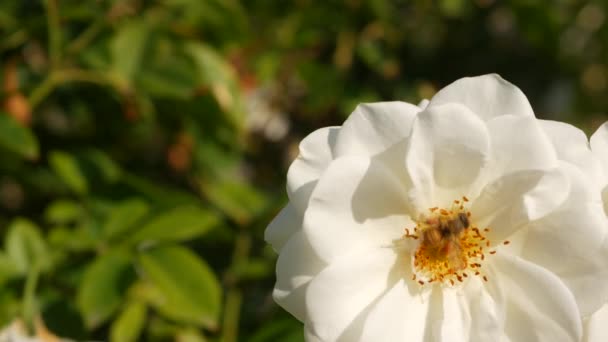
column 442, row 238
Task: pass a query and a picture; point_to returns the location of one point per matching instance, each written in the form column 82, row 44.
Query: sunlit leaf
column 182, row 223
column 191, row 292
column 129, row 324
column 103, row 287
column 190, row 335
column 26, row 247
column 17, row 138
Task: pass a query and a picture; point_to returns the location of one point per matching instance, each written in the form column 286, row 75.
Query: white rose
column 597, row 325
column 455, row 220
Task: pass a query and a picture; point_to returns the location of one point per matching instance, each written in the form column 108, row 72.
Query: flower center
column 450, row 246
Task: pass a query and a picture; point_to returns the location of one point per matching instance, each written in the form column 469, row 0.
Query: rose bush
column 461, row 219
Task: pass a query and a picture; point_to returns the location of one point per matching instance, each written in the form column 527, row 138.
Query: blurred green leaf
column 190, row 335
column 11, row 306
column 191, row 292
column 103, row 287
column 171, row 80
column 26, row 247
column 63, row 212
column 214, row 72
column 124, row 216
column 67, row 167
column 179, row 224
column 128, row 46
column 164, row 196
column 104, row 165
column 17, row 138
column 8, row 268
column 239, row 200
column 287, row 330
column 129, row 324
column 71, row 239
column 254, row 269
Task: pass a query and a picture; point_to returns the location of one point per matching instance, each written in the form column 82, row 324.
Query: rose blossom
column 457, row 220
column 597, row 325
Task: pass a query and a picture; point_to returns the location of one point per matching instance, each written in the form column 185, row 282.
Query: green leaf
column 67, row 167
column 65, row 239
column 179, row 224
column 102, row 164
column 237, row 199
column 287, row 330
column 26, row 247
column 103, row 287
column 8, row 268
column 63, row 212
column 17, row 138
column 129, row 324
column 213, row 71
column 125, row 216
column 169, row 80
column 127, row 48
column 190, row 291
column 190, row 335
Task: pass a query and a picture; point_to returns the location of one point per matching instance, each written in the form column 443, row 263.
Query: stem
column 56, row 78
column 54, row 33
column 86, row 37
column 234, row 296
column 29, row 296
column 232, row 312
column 42, row 91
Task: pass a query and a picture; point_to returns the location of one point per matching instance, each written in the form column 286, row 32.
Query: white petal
column 578, row 228
column 341, row 296
column 471, row 313
column 488, row 96
column 282, row 227
column 373, row 127
column 316, row 152
column 447, row 149
column 512, row 201
column 356, row 204
column 423, row 104
column 539, row 306
column 571, row 145
column 599, row 145
column 596, row 328
column 518, row 143
column 296, row 267
column 309, row 335
column 399, row 315
column 605, row 199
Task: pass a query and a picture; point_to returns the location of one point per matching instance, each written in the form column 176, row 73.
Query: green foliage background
column 144, row 144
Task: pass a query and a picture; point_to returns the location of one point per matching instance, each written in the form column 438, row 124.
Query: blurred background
column 144, row 144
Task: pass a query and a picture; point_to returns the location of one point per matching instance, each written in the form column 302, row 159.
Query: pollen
column 449, row 245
